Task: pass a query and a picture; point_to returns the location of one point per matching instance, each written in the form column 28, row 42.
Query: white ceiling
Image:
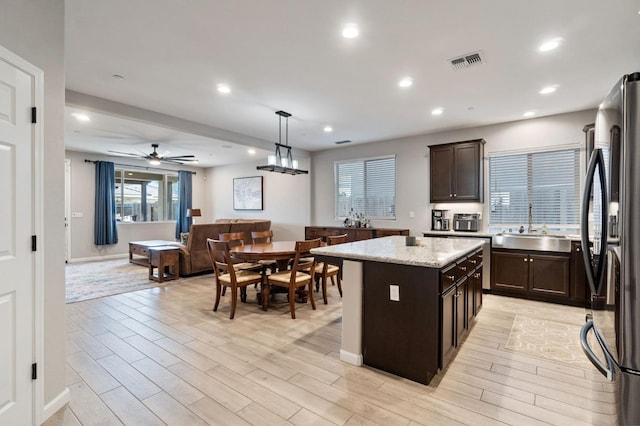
column 290, row 55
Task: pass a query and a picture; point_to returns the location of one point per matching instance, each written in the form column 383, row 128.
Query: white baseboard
column 55, row 404
column 93, row 259
column 351, row 358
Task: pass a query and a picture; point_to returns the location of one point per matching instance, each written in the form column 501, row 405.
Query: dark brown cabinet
column 458, row 302
column 540, row 275
column 353, row 234
column 457, row 172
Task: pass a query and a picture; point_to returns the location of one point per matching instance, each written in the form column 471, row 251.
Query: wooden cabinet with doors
column 353, row 234
column 457, row 172
column 459, row 303
column 535, row 275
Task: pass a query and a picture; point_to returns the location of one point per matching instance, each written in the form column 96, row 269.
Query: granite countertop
column 428, row 252
column 485, row 234
column 479, row 234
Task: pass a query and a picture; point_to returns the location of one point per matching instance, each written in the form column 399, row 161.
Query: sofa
column 194, row 257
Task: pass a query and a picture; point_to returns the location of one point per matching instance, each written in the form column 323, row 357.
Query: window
column 366, row 186
column 146, row 196
column 548, row 181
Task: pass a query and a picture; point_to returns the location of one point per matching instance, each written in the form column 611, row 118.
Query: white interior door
column 16, row 258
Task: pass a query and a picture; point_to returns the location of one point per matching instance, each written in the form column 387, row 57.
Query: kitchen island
column 406, row 308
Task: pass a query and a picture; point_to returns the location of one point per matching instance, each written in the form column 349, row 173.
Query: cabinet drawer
column 450, row 275
column 142, row 251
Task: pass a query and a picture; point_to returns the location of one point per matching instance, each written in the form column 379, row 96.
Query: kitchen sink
column 538, row 242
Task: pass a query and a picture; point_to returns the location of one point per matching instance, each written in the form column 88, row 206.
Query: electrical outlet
column 394, row 293
column 412, row 214
column 77, row 214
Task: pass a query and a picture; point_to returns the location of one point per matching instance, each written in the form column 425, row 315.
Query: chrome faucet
column 530, row 218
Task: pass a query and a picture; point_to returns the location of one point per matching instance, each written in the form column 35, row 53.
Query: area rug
column 547, row 339
column 90, row 280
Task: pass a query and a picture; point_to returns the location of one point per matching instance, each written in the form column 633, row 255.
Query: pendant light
column 279, row 162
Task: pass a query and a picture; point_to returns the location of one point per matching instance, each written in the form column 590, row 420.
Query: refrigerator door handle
column 608, row 370
column 595, row 279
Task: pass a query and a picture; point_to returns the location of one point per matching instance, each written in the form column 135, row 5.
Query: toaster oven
column 466, row 222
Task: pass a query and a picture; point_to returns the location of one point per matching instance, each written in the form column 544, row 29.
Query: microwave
column 468, row 222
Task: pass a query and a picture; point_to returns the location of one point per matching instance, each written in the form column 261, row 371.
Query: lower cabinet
column 460, row 301
column 413, row 318
column 536, row 274
column 401, row 334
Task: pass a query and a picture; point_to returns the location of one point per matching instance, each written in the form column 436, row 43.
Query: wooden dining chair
column 236, row 239
column 326, row 270
column 293, row 278
column 227, row 275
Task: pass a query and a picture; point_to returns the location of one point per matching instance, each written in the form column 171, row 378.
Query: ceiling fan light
column 154, row 162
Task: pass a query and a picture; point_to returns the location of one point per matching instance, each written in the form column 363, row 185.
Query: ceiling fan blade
column 171, row 161
column 177, row 157
column 125, row 153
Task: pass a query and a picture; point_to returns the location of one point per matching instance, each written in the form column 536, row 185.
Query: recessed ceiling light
column 118, row 77
column 550, row 44
column 405, row 82
column 251, row 151
column 223, row 88
column 437, row 111
column 548, row 90
column 529, row 114
column 328, row 129
column 81, row 117
column 350, row 31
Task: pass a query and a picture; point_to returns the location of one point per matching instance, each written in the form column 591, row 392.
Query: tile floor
column 161, row 356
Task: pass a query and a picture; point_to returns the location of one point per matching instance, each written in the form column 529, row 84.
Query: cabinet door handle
column 473, row 262
column 451, row 277
column 525, row 259
column 530, row 260
column 577, row 249
column 464, row 268
column 455, row 195
column 450, row 195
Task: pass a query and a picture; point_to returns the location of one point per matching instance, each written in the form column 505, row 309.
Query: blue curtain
column 183, row 223
column 105, row 230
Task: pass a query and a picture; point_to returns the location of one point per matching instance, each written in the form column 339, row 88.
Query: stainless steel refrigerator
column 610, row 228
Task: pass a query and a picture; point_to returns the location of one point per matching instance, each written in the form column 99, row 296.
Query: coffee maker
column 439, row 222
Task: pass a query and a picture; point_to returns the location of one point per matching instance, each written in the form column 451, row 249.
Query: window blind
column 548, row 181
column 366, row 186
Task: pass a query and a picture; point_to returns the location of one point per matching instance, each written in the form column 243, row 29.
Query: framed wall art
column 247, row 193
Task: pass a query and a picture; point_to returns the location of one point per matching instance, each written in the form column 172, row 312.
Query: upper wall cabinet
column 457, row 172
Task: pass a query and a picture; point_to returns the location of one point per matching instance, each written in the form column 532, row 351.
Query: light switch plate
column 77, row 214
column 394, row 293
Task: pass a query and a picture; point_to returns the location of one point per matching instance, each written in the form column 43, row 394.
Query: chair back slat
column 233, row 238
column 262, row 236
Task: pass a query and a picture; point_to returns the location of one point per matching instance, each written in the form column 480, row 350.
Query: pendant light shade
column 282, row 161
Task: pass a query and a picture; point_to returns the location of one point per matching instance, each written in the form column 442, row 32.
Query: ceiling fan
column 155, row 158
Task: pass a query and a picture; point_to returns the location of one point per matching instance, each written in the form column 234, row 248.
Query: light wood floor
column 161, row 356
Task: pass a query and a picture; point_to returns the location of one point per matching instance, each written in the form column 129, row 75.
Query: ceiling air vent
column 342, row 142
column 466, row 61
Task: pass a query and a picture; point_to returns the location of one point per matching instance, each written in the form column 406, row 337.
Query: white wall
column 34, row 30
column 286, row 198
column 412, row 164
column 82, row 201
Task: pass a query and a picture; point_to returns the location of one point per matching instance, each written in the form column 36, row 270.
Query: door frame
column 37, row 76
column 67, row 210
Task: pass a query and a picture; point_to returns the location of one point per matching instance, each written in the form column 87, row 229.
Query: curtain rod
column 140, row 167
